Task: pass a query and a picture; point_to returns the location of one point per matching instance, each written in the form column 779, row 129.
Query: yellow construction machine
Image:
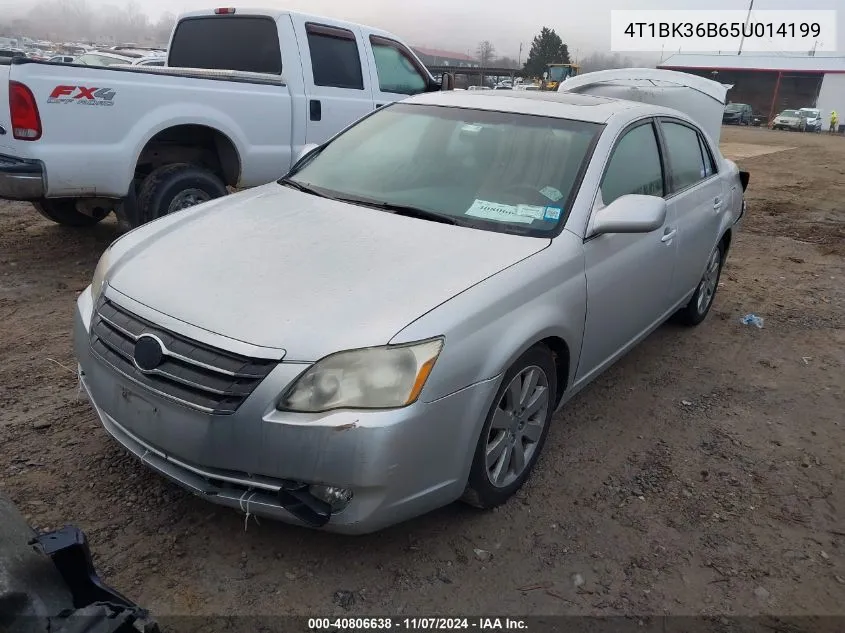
column 555, row 73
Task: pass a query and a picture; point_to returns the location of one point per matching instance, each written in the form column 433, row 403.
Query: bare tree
column 75, row 20
column 603, row 61
column 162, row 29
column 506, row 62
column 485, row 52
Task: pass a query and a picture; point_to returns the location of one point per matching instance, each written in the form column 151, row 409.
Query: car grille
column 191, row 373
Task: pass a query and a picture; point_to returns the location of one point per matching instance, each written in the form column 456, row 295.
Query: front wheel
column 515, row 429
column 702, row 299
column 175, row 187
column 63, row 211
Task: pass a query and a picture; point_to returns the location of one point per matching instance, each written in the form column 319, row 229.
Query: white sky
column 458, row 25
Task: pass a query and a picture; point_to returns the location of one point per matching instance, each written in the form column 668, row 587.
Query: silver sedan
column 391, row 326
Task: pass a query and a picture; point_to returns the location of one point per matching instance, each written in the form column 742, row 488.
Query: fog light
column 337, row 498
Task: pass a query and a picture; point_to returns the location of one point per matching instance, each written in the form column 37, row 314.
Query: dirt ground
column 703, row 474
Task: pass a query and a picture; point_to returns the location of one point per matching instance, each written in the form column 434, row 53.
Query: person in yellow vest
column 834, row 120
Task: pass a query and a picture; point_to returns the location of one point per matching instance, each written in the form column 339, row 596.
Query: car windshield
column 734, row 107
column 499, row 171
column 92, row 59
column 792, row 113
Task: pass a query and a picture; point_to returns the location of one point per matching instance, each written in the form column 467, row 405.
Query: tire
column 63, row 211
column 699, row 306
column 481, row 492
column 175, row 187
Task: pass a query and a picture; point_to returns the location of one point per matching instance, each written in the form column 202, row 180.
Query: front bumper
column 399, row 463
column 21, row 179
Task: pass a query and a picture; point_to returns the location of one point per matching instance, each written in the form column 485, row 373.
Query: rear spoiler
column 744, row 176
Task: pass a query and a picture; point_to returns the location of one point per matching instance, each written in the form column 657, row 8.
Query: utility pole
column 519, row 59
column 747, row 19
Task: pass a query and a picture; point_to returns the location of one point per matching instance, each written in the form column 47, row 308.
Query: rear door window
column 335, row 60
column 227, row 42
column 685, row 159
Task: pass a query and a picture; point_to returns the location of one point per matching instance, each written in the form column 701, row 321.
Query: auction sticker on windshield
column 551, row 193
column 530, row 211
column 497, row 211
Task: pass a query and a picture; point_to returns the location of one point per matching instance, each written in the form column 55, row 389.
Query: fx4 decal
column 82, row 95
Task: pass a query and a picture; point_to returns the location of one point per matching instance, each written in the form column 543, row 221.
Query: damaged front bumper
column 345, row 471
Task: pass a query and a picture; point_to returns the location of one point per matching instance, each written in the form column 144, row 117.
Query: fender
column 487, row 327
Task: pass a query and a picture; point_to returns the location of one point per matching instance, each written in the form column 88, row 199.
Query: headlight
column 100, row 275
column 371, row 378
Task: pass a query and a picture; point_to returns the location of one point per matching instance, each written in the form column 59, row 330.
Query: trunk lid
column 703, row 100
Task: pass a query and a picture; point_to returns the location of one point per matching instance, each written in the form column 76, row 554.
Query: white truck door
column 337, row 81
column 395, row 71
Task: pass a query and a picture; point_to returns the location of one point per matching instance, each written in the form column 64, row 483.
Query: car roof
column 277, row 14
column 112, row 54
column 562, row 105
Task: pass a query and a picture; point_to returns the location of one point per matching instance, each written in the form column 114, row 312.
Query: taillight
column 26, row 123
column 225, row 11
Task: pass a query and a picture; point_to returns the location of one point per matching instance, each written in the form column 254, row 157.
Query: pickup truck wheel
column 175, row 187
column 514, row 431
column 63, row 211
column 698, row 307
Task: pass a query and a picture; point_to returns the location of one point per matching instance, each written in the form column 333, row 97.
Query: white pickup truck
column 242, row 94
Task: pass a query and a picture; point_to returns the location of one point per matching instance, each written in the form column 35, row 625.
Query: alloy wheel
column 707, row 289
column 517, row 426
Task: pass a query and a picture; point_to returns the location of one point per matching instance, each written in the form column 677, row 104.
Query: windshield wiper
column 294, row 184
column 407, row 211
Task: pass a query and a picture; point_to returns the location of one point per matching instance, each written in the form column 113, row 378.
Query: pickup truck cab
column 243, row 93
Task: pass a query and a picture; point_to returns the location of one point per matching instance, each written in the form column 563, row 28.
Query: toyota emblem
column 149, row 352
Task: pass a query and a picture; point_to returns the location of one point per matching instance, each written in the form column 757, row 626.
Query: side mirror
column 447, row 82
column 304, row 151
column 630, row 214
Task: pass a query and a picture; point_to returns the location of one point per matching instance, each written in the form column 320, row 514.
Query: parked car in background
column 737, row 114
column 9, row 53
column 61, row 59
column 294, row 351
column 122, row 56
column 155, row 60
column 789, row 120
column 812, row 119
column 241, row 94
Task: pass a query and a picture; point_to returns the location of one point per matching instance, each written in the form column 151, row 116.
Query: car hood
column 283, row 269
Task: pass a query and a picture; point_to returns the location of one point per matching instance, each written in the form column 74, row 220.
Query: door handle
column 668, row 235
column 717, row 203
column 315, row 110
